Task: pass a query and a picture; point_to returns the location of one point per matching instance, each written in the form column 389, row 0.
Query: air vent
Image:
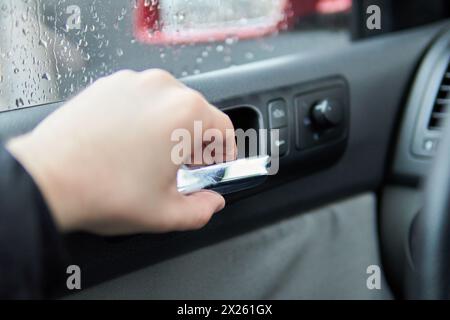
column 441, row 106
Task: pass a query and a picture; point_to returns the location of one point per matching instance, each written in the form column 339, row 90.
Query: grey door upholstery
column 317, row 255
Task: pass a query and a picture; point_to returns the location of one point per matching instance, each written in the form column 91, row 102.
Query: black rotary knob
column 327, row 114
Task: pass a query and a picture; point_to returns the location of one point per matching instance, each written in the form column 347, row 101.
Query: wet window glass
column 52, row 49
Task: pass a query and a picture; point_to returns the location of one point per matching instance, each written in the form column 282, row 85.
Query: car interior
column 362, row 190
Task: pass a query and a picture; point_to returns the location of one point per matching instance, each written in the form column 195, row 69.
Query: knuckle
column 119, row 75
column 99, row 82
column 195, row 97
column 104, row 79
column 126, row 73
column 191, row 106
column 227, row 121
column 159, row 75
column 195, row 101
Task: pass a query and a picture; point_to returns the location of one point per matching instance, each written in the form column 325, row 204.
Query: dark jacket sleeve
column 31, row 251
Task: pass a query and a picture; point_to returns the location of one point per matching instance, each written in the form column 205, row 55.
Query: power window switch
column 278, row 114
column 280, row 143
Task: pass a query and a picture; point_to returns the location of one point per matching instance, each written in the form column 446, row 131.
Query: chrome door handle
column 224, row 178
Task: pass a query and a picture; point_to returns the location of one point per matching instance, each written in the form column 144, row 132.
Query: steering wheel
column 430, row 232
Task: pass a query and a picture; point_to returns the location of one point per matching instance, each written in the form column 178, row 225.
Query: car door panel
column 378, row 74
column 280, row 261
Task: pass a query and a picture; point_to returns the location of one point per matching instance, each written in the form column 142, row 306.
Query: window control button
column 281, row 143
column 278, row 114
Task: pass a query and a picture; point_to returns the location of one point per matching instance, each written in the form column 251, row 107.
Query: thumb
column 197, row 209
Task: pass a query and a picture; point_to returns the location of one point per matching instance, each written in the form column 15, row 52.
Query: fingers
column 214, row 142
column 194, row 211
column 211, row 129
column 222, row 122
column 198, row 109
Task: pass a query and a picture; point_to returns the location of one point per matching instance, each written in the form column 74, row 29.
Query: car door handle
column 224, row 178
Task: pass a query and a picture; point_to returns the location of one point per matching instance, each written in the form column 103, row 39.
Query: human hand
column 102, row 161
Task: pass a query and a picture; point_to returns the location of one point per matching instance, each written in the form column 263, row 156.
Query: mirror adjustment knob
column 327, row 114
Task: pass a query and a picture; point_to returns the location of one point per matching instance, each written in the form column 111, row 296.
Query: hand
column 103, row 160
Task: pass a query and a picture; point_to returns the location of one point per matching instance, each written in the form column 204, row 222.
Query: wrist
column 45, row 177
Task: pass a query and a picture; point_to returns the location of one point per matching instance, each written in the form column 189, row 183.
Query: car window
column 52, row 49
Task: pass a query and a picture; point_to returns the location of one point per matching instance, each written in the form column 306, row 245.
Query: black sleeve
column 32, row 258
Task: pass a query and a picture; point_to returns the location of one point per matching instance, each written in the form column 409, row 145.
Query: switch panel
column 312, row 120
